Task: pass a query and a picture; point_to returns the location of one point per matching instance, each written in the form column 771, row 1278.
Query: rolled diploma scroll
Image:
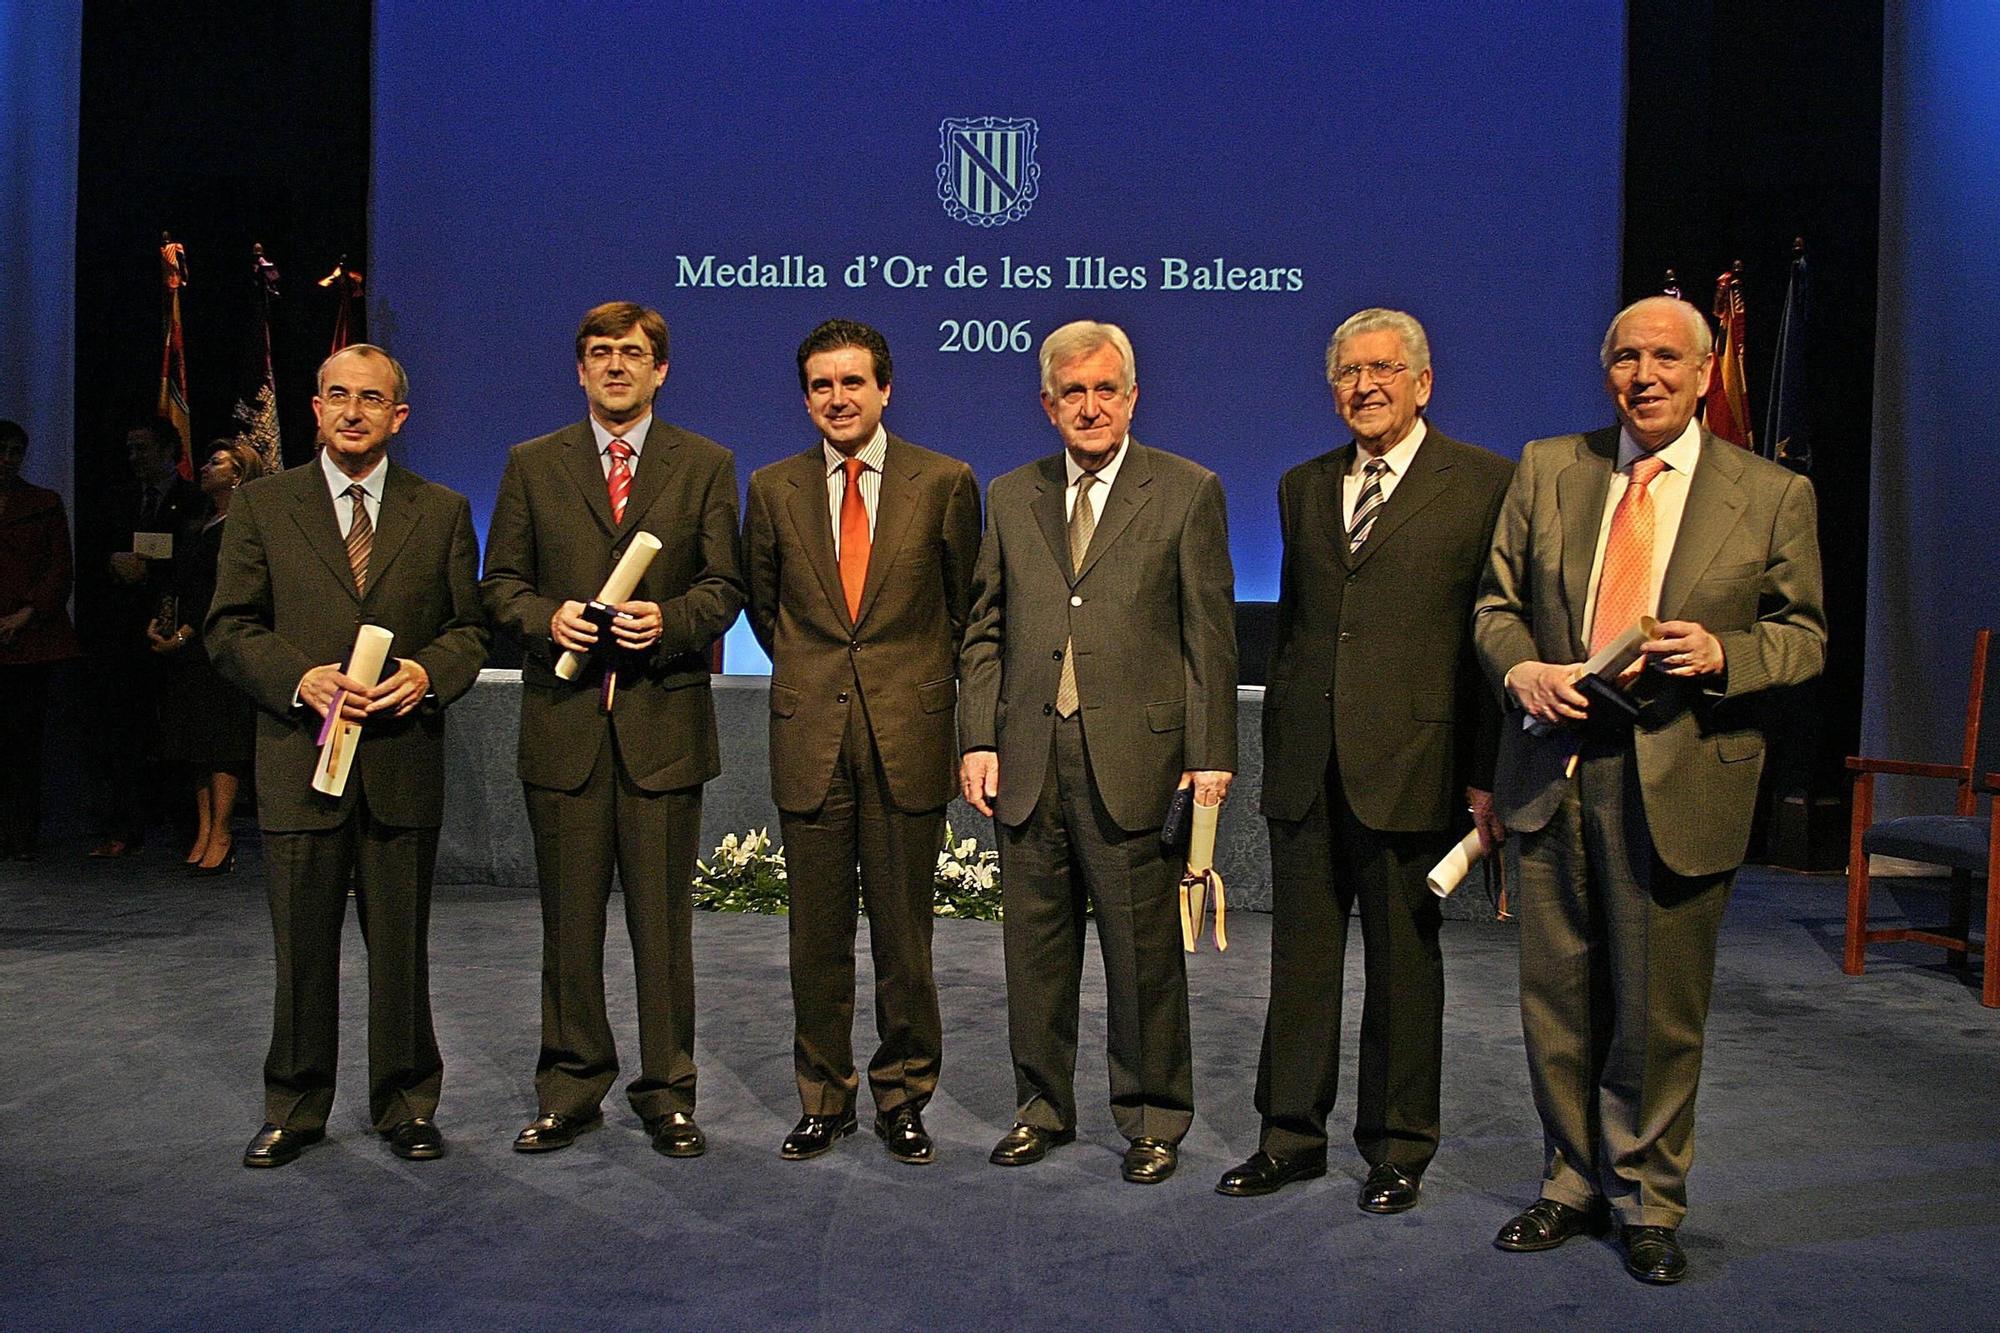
column 1447, row 874
column 343, row 738
column 631, row 568
column 1200, row 876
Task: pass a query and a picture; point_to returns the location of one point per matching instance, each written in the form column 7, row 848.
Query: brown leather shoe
column 1150, row 1161
column 1266, row 1173
column 275, row 1146
column 1026, row 1143
column 677, row 1135
column 1544, row 1225
column 1654, row 1254
column 1389, row 1189
column 554, row 1129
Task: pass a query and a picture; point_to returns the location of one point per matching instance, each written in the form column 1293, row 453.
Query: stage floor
column 1847, row 1169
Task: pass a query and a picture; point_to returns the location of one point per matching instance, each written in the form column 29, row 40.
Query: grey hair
column 1081, row 338
column 1704, row 337
column 402, row 381
column 1415, row 344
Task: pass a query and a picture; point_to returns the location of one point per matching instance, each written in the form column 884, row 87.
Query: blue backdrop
column 1462, row 162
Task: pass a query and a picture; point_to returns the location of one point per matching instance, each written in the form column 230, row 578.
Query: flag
column 1727, row 399
column 173, row 401
column 1785, row 435
column 257, row 415
column 346, row 285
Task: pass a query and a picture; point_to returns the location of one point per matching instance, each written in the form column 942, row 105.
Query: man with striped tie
column 1627, row 831
column 1378, row 733
column 613, row 761
column 309, row 555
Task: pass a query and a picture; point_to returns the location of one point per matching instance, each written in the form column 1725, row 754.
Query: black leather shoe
column 1654, row 1254
column 902, row 1133
column 677, row 1135
column 1543, row 1226
column 816, row 1134
column 1389, row 1189
column 553, row 1129
column 1266, row 1173
column 1150, row 1161
column 416, row 1140
column 279, row 1147
column 1028, row 1143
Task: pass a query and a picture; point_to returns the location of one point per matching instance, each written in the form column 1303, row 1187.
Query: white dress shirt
column 343, row 508
column 871, row 456
column 1105, row 476
column 1398, row 456
column 1669, row 493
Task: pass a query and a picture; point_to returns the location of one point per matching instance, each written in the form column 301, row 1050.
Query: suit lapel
column 656, row 459
column 1129, row 494
column 580, row 457
column 1049, row 512
column 313, row 512
column 1714, row 502
column 813, row 523
column 1580, row 494
column 895, row 506
column 398, row 521
column 1428, row 475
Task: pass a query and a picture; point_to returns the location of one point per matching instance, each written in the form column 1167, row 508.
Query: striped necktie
column 619, row 478
column 360, row 537
column 1367, row 505
column 1082, row 523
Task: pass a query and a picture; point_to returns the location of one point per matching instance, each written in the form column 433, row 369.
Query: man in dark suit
column 859, row 553
column 1100, row 675
column 613, row 761
column 1378, row 731
column 309, row 556
column 1627, row 832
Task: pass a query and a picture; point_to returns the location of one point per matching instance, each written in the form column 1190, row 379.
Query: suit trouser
column 1321, row 866
column 1068, row 848
column 651, row 839
column 309, row 874
column 1617, row 962
column 860, row 825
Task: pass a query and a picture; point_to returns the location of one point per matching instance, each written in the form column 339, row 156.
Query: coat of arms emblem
column 987, row 176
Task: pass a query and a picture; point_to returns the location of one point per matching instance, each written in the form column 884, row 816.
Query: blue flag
column 1786, row 438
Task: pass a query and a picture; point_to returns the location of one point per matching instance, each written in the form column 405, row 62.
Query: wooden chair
column 1964, row 842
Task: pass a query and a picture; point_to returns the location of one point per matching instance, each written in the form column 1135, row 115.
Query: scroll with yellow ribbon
column 339, row 738
column 1200, row 883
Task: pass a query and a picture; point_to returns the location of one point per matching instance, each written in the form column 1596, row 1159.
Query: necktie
column 1367, row 504
column 1082, row 523
column 1625, row 585
column 360, row 538
column 619, row 478
column 854, row 538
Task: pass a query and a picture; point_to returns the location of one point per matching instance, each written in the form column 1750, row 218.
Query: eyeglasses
column 1378, row 372
column 604, row 355
column 372, row 401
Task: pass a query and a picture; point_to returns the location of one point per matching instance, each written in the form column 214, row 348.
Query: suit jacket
column 113, row 616
column 552, row 540
column 901, row 655
column 1745, row 566
column 285, row 602
column 1372, row 660
column 1152, row 616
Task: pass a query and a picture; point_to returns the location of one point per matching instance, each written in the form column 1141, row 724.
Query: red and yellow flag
column 173, row 401
column 1728, row 399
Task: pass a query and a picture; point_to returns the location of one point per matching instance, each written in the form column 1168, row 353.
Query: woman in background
column 35, row 633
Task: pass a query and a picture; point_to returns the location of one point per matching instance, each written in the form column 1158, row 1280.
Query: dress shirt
column 1105, row 476
column 1398, row 457
column 871, row 457
column 634, row 437
column 1669, row 492
column 337, row 482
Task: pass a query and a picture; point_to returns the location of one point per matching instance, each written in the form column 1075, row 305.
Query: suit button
column 1057, row 654
column 1048, row 709
column 1352, row 577
column 854, row 647
column 1345, row 636
column 843, row 697
column 1076, row 601
column 1328, row 696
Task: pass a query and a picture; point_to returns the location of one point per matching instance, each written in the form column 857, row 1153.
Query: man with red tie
column 613, row 760
column 859, row 554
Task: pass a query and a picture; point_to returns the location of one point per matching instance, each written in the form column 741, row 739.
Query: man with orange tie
column 1628, row 829
column 859, row 555
column 613, row 760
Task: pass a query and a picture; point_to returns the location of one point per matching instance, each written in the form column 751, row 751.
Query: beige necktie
column 1082, row 523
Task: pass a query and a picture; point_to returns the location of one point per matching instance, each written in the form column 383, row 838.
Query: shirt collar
column 1399, row 455
column 1106, row 474
column 635, row 434
column 871, row 455
column 337, row 481
column 1679, row 453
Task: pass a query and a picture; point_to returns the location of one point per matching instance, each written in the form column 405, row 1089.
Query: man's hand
column 637, row 626
column 402, row 691
column 1547, row 691
column 979, row 779
column 14, row 622
column 1211, row 785
column 127, row 567
column 162, row 641
column 570, row 630
column 1685, row 649
column 1491, row 831
column 318, row 686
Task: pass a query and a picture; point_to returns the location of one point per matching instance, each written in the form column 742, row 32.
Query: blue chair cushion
column 1958, row 841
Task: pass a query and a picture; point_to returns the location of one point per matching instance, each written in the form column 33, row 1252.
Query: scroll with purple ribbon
column 1200, row 883
column 624, row 578
column 339, row 738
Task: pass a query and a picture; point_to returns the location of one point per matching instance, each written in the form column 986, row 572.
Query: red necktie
column 619, row 478
column 854, row 538
column 1625, row 586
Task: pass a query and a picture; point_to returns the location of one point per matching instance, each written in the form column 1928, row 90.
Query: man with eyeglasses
column 1378, row 734
column 1627, row 827
column 612, row 760
column 308, row 556
column 1099, row 674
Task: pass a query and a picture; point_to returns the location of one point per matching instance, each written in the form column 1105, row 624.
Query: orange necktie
column 854, row 538
column 1625, row 586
